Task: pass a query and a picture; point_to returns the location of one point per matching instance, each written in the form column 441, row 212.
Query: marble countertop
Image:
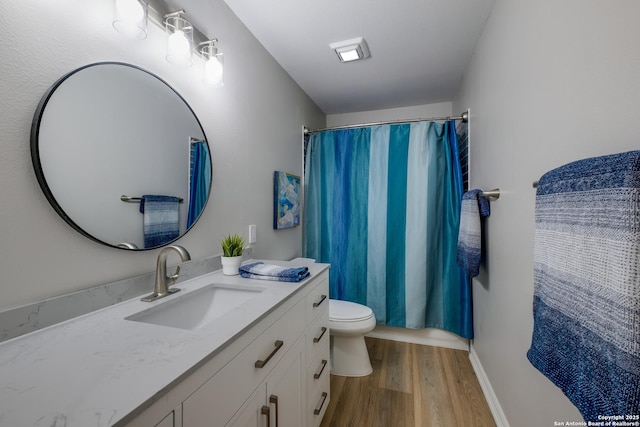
column 96, row 369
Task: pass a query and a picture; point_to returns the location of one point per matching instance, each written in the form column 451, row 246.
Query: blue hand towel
column 161, row 219
column 474, row 206
column 260, row 270
column 586, row 301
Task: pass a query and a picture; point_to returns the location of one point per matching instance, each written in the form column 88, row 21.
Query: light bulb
column 213, row 71
column 179, row 49
column 131, row 19
column 178, row 43
column 130, row 10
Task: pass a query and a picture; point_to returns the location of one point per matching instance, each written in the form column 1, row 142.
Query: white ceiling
column 419, row 48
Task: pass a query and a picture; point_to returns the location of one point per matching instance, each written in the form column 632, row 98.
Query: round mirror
column 121, row 156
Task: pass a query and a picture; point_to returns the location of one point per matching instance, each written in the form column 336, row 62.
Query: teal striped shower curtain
column 382, row 205
column 199, row 180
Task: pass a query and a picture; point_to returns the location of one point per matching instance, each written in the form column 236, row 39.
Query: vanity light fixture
column 213, row 63
column 180, row 39
column 351, row 50
column 131, row 18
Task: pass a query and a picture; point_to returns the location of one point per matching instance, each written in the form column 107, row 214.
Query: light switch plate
column 252, row 234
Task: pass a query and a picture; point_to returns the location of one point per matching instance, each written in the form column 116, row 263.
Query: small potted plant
column 232, row 246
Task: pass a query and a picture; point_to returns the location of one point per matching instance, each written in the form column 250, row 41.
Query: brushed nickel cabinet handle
column 266, row 411
column 262, row 363
column 318, row 338
column 319, row 409
column 274, row 399
column 322, row 298
column 318, row 374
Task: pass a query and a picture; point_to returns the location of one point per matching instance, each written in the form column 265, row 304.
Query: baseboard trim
column 430, row 336
column 492, row 400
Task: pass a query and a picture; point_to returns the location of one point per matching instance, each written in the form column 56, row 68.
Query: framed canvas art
column 286, row 200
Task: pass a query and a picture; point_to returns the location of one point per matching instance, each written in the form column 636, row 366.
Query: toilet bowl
column 348, row 322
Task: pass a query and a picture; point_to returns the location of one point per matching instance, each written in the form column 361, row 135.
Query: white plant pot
column 230, row 265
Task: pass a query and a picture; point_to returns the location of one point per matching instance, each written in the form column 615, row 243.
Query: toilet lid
column 346, row 311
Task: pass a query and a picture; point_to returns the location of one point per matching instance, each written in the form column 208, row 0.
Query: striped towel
column 474, row 206
column 260, row 270
column 586, row 302
column 161, row 219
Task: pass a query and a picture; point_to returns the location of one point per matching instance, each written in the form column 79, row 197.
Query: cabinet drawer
column 318, row 372
column 318, row 382
column 318, row 299
column 318, row 396
column 222, row 395
column 317, row 337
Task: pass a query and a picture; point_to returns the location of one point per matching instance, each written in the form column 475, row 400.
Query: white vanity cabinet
column 275, row 374
column 216, row 402
column 297, row 391
column 317, row 353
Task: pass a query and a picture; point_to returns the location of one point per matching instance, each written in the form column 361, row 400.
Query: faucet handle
column 172, row 279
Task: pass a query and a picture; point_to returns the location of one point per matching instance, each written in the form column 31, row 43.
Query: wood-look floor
column 411, row 385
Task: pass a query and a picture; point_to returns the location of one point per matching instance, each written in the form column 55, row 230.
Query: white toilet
column 348, row 322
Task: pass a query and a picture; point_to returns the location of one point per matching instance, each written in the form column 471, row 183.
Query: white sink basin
column 196, row 309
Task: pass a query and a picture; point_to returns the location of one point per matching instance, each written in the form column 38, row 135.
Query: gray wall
column 424, row 111
column 549, row 82
column 254, row 125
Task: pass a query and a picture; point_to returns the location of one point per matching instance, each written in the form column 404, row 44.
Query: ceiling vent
column 351, row 50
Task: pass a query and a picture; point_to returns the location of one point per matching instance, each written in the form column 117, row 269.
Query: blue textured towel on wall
column 260, row 270
column 161, row 219
column 473, row 208
column 586, row 302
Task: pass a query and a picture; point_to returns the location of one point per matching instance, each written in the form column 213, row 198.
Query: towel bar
column 130, row 199
column 493, row 194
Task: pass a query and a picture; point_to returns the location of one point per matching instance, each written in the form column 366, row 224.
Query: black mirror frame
column 37, row 166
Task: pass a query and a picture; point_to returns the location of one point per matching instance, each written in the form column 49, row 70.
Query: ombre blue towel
column 473, row 208
column 260, row 270
column 161, row 219
column 586, row 301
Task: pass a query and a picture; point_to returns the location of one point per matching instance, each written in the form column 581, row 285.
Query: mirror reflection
column 121, row 156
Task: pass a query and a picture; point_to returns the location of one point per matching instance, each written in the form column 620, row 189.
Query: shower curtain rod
column 464, row 117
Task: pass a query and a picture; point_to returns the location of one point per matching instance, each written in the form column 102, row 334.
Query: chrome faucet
column 163, row 281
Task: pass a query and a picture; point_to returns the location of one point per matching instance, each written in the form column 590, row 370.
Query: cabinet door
column 254, row 413
column 167, row 421
column 278, row 402
column 216, row 402
column 286, row 391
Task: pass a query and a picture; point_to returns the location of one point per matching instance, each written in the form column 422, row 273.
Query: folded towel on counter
column 260, row 270
column 161, row 219
column 586, row 301
column 473, row 208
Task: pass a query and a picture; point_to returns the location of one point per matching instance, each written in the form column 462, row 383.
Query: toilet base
column 349, row 356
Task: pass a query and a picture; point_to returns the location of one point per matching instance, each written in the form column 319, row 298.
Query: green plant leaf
column 232, row 245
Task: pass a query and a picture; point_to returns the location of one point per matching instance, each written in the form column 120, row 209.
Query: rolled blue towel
column 474, row 207
column 262, row 271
